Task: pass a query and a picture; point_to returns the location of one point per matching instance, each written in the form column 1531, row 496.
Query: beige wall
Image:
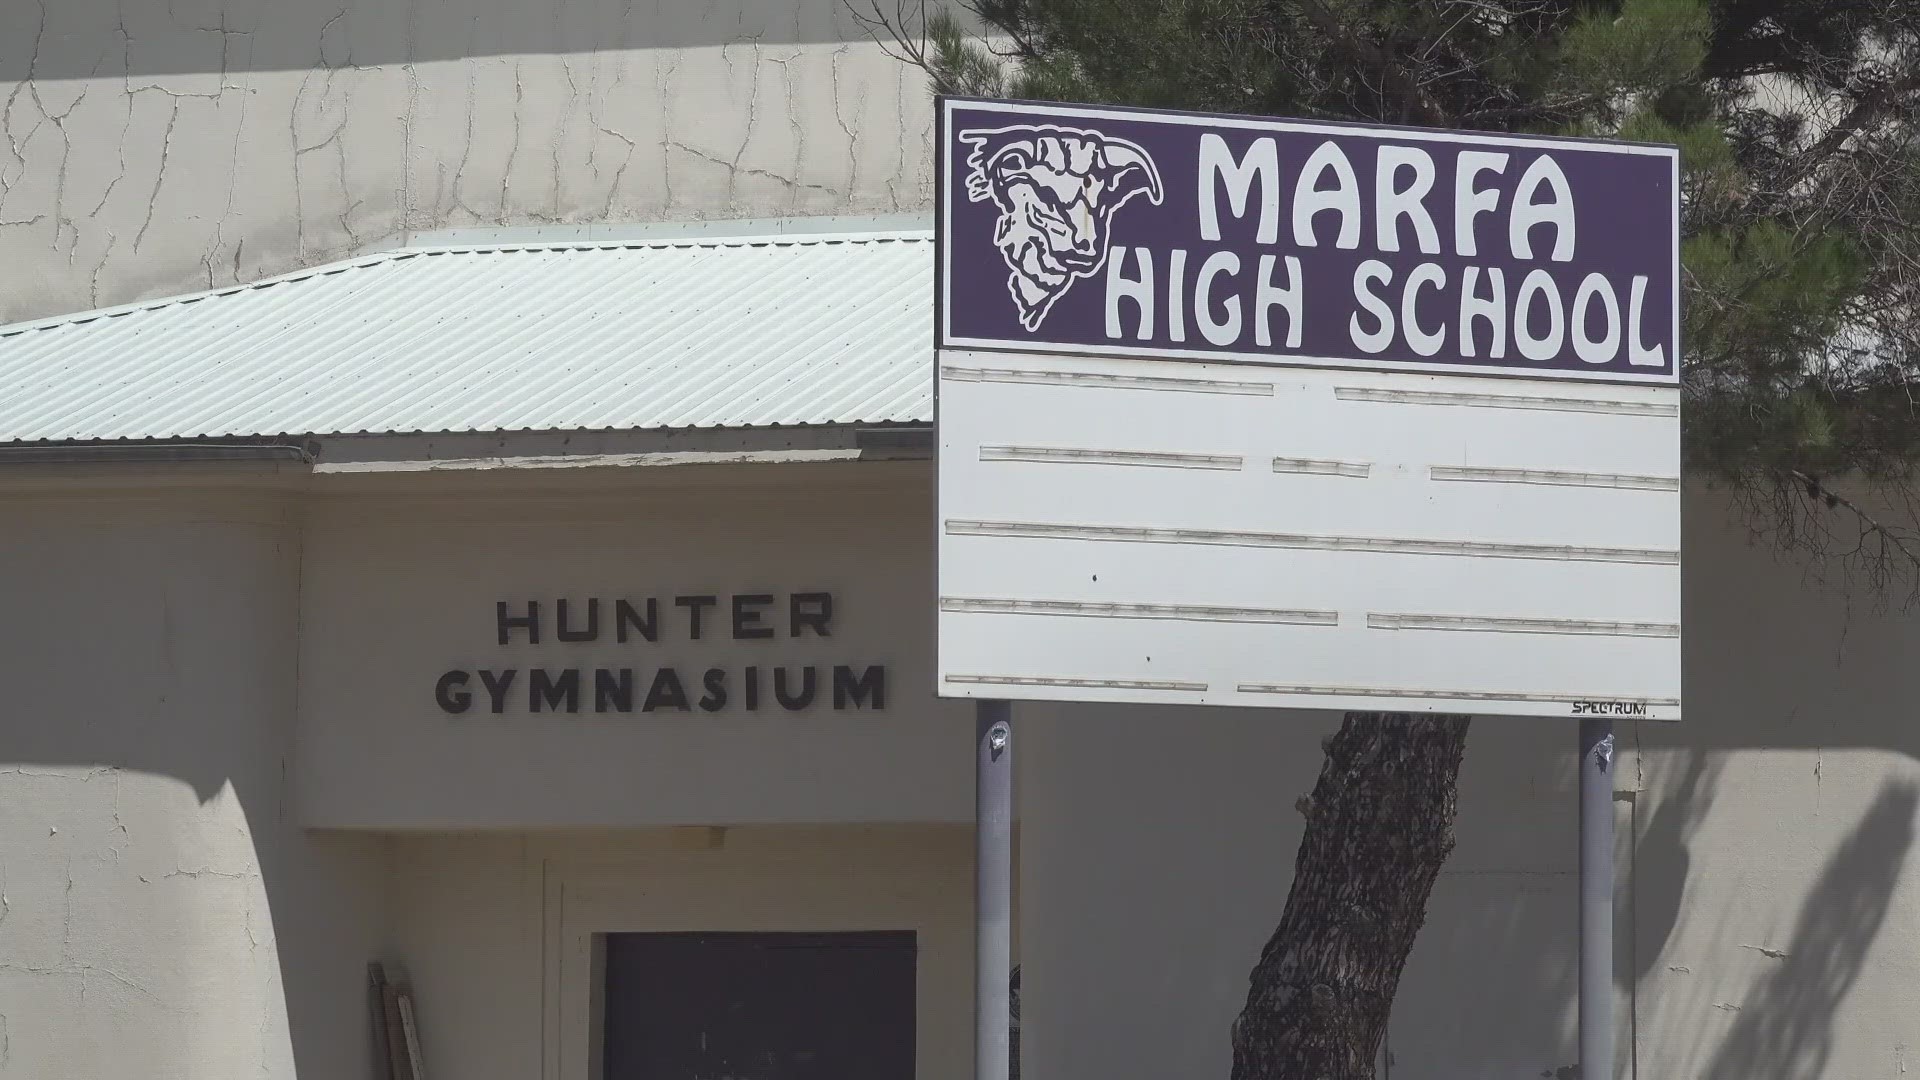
column 401, row 587
column 1769, row 914
column 158, row 146
column 496, row 930
column 161, row 752
column 161, row 914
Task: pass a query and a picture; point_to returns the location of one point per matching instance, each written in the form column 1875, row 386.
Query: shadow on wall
column 144, row 739
column 1785, row 1028
column 1655, row 889
column 144, row 38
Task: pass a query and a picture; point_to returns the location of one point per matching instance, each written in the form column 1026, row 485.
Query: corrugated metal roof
column 740, row 332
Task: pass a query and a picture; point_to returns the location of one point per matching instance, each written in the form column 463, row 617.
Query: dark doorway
column 726, row 1006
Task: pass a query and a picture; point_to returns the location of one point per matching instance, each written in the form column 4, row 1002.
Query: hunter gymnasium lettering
column 638, row 623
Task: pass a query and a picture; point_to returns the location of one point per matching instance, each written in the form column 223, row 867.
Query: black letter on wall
column 593, row 622
column 716, row 684
column 613, row 690
column 450, row 692
column 506, row 623
column 542, row 686
column 872, row 684
column 666, row 692
column 497, row 687
column 694, row 605
column 624, row 617
column 811, row 609
column 805, row 698
column 746, row 622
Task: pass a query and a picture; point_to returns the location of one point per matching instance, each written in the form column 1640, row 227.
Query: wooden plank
column 377, row 1021
column 412, row 1031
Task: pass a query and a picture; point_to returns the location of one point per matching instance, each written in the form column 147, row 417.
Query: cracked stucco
column 122, row 896
column 150, row 147
column 160, row 913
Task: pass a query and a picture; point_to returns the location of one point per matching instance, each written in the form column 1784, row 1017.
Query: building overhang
column 662, row 347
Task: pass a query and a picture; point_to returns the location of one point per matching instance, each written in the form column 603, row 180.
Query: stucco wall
column 152, row 857
column 1766, row 918
column 402, row 586
column 491, row 927
column 1763, row 840
column 161, row 915
column 158, row 146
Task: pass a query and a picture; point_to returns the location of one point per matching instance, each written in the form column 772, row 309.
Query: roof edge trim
column 151, row 453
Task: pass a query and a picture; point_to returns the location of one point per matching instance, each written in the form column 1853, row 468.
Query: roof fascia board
column 573, row 449
column 590, row 461
column 98, row 466
column 153, row 453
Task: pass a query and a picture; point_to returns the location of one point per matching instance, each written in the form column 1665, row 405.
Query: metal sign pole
column 993, row 889
column 1596, row 898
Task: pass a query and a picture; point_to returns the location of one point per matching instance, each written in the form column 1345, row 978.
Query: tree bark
column 1379, row 826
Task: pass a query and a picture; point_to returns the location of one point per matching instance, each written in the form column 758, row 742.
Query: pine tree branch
column 1534, row 112
column 912, row 46
column 1872, row 525
column 1009, row 19
column 1413, row 99
column 1737, row 54
column 1871, row 106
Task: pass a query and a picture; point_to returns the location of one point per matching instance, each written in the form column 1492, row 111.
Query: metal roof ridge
column 822, row 239
column 396, row 254
column 326, row 269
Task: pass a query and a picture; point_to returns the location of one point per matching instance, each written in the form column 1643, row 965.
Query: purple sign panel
column 1108, row 231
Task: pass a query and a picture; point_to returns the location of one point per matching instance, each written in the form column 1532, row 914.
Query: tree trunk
column 1379, row 826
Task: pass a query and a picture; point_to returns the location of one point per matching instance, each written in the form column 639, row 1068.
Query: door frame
column 826, row 892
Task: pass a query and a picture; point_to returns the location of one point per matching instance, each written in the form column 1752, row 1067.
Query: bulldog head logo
column 1056, row 189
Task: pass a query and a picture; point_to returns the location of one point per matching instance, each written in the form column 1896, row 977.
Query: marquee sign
column 1259, row 412
column 1130, row 233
